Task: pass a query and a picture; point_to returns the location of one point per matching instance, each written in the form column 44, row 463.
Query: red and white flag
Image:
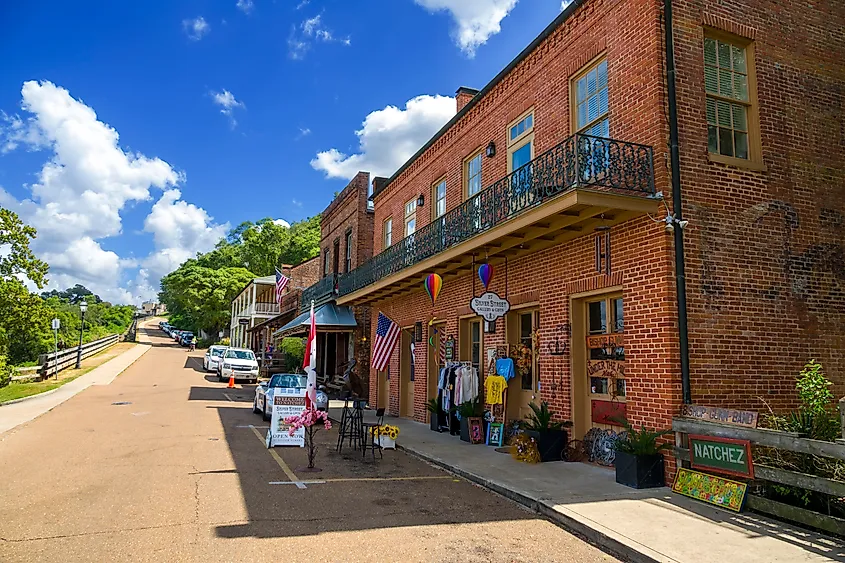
column 309, row 363
column 386, row 334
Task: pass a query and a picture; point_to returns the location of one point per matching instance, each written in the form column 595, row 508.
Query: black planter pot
column 464, row 429
column 434, row 422
column 639, row 471
column 550, row 443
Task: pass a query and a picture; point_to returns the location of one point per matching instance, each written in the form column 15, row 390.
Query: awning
column 328, row 317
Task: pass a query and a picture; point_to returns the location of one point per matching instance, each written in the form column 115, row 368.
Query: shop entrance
column 383, row 399
column 406, row 375
column 435, row 333
column 521, row 326
column 598, row 360
column 471, row 343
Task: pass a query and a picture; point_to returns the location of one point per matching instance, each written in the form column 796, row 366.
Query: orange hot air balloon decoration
column 433, row 285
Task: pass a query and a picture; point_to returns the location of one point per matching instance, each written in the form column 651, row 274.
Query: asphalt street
column 166, row 464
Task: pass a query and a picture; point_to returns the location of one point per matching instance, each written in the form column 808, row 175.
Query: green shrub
column 540, row 419
column 642, row 441
column 294, row 351
column 5, row 372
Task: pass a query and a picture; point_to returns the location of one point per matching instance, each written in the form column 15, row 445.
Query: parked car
column 213, row 356
column 176, row 334
column 185, row 339
column 239, row 362
column 263, row 401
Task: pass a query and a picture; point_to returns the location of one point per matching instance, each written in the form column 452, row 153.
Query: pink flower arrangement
column 307, row 419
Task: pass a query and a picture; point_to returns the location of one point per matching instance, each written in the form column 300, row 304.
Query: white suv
column 239, row 362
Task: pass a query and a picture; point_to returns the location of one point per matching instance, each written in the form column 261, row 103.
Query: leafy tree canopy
column 75, row 295
column 16, row 257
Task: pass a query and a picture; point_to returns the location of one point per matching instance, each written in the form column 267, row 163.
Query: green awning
column 328, row 317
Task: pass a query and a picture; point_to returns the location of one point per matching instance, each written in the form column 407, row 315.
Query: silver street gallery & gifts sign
column 490, row 306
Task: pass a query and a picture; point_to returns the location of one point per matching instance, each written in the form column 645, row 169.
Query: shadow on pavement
column 396, row 491
column 195, row 363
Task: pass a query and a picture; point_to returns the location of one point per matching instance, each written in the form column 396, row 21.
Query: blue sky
column 229, row 102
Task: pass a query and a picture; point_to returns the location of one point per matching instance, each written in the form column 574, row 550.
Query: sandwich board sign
column 286, row 402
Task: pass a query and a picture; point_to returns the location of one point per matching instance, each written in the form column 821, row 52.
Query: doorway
column 406, row 375
column 598, row 362
column 471, row 337
column 382, row 399
column 522, row 389
column 435, row 333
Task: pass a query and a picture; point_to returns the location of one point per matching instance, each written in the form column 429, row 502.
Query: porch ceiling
column 573, row 214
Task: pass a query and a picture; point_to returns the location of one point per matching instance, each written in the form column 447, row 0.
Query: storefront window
column 606, row 367
column 475, row 349
column 598, row 317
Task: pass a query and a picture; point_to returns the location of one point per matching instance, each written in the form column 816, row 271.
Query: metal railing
column 266, row 308
column 579, row 161
column 321, row 292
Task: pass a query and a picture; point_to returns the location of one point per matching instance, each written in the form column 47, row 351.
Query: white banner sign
column 286, row 402
column 490, row 306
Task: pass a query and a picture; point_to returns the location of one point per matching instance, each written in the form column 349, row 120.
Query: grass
column 19, row 390
column 26, row 364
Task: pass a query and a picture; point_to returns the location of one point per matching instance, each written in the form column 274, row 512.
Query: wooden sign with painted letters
column 725, row 416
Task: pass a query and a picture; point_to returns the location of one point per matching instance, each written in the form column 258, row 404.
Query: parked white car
column 239, row 362
column 263, row 401
column 213, row 356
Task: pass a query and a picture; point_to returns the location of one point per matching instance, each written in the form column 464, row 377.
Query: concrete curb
column 606, row 543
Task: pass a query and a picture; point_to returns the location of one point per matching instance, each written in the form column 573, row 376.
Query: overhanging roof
column 327, row 317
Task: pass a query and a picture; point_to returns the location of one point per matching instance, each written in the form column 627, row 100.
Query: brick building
column 346, row 242
column 557, row 174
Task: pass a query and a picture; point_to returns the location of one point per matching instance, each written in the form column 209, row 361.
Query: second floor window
column 348, row 252
column 438, row 192
column 728, row 86
column 591, row 101
column 387, row 233
column 472, row 175
column 410, row 217
column 521, row 142
column 326, row 262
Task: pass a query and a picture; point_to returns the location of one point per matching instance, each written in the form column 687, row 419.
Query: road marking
column 359, row 479
column 229, row 398
column 299, row 484
column 296, row 483
column 250, row 426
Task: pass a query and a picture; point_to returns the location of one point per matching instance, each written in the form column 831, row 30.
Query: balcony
column 564, row 193
column 321, row 292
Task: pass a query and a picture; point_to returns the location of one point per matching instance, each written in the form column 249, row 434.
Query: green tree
column 16, row 236
column 304, row 240
column 75, row 294
column 264, row 247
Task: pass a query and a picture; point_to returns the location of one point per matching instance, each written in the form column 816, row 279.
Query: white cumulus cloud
column 196, row 28
column 476, row 20
column 389, row 137
column 227, row 102
column 246, row 6
column 81, row 190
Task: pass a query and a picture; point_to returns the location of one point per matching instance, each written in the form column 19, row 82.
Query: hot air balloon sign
column 485, row 274
column 433, row 285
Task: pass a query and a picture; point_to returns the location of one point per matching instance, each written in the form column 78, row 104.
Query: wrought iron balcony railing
column 579, row 161
column 321, row 292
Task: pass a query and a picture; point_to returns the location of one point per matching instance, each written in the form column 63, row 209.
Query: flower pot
column 386, row 442
column 550, row 443
column 464, row 429
column 434, row 423
column 639, row 471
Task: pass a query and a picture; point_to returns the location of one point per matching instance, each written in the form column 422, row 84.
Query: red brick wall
column 305, row 274
column 766, row 250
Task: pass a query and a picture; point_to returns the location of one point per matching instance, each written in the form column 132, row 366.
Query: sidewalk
column 650, row 525
column 15, row 414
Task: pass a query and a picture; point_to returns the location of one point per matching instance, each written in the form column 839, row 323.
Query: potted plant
column 639, row 461
column 433, row 408
column 467, row 410
column 551, row 437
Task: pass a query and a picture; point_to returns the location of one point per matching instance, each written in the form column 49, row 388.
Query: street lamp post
column 82, row 307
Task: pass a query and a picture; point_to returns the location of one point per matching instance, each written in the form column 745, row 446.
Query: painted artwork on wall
column 711, row 489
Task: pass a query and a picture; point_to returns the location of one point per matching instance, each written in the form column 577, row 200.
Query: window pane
column 521, row 156
column 410, row 227
column 598, row 317
column 525, row 326
column 740, row 121
column 602, row 102
column 739, row 60
column 582, row 115
column 741, row 87
column 725, row 142
column 618, row 316
column 712, row 139
column 598, row 385
column 602, row 74
column 620, row 387
column 581, row 88
column 724, row 55
column 725, row 84
column 592, row 82
column 710, row 51
column 741, row 144
column 711, row 79
column 724, row 113
column 529, row 121
column 711, row 111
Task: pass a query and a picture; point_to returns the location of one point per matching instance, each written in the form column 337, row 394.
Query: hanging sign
column 710, row 489
column 490, row 306
column 725, row 416
column 242, row 321
column 615, row 340
column 286, row 402
column 450, row 349
column 721, row 455
column 606, row 368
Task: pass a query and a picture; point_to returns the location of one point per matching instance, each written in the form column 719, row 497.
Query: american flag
column 281, row 284
column 386, row 334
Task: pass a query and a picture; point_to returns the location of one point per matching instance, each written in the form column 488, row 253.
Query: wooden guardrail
column 789, row 441
column 67, row 358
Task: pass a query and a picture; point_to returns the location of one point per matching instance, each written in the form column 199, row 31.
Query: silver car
column 213, row 356
column 264, row 392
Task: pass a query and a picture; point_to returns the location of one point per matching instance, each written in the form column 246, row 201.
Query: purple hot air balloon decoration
column 485, row 274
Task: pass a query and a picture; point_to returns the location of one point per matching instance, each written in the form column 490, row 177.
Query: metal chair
column 351, row 425
column 372, row 429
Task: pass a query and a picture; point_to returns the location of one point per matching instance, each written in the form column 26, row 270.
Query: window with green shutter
column 729, row 87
